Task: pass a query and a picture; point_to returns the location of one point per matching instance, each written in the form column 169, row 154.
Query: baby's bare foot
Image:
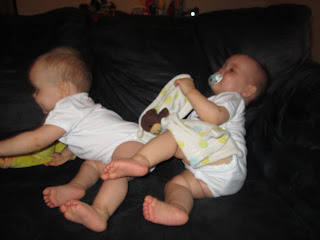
column 123, row 168
column 84, row 214
column 56, row 196
column 58, row 160
column 163, row 213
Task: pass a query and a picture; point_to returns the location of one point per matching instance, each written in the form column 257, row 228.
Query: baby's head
column 59, row 73
column 242, row 74
column 68, row 66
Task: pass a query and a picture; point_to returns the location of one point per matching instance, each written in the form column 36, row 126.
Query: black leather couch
column 132, row 58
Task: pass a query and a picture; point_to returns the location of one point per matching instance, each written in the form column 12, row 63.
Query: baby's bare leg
column 179, row 192
column 125, row 168
column 159, row 149
column 108, row 199
column 95, row 217
column 86, row 177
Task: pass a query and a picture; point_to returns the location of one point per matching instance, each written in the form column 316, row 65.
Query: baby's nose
column 221, row 71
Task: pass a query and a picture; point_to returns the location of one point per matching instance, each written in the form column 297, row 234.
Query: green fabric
column 38, row 158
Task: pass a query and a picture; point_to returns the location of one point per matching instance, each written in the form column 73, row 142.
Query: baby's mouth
column 214, row 79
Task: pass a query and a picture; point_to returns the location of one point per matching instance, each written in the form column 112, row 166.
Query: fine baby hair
column 70, row 66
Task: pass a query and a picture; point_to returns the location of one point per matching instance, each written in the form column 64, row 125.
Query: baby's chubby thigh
column 126, row 150
column 223, row 179
column 188, row 179
column 179, row 154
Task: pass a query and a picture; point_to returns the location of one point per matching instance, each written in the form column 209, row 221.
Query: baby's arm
column 31, row 141
column 61, row 158
column 206, row 110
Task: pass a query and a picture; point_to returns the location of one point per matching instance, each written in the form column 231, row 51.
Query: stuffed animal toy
column 39, row 158
column 151, row 121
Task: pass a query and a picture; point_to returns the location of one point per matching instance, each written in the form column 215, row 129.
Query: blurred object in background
column 8, row 7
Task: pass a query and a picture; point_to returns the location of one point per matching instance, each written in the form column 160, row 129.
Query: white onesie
column 92, row 131
column 226, row 179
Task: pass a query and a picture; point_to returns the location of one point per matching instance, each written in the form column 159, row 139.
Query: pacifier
column 214, row 79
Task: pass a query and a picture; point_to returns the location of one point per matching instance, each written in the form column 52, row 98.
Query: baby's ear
column 249, row 91
column 64, row 89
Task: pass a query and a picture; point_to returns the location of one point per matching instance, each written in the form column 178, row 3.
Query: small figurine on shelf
column 160, row 7
column 176, row 8
column 151, row 7
column 107, row 9
column 140, row 9
column 112, row 9
column 94, row 6
column 179, row 6
column 104, row 5
column 84, row 7
column 171, row 9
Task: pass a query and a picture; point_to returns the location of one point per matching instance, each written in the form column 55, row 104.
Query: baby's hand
column 185, row 84
column 58, row 159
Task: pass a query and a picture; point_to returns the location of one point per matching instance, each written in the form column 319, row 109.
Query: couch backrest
column 137, row 55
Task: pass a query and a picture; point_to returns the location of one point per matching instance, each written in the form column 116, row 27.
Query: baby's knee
column 179, row 180
column 94, row 165
column 179, row 154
